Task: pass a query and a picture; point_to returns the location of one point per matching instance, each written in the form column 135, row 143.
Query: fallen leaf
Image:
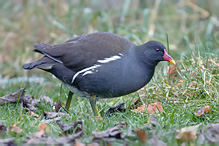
column 58, row 105
column 39, row 134
column 8, row 141
column 108, row 135
column 46, row 99
column 155, row 107
column 136, row 103
column 14, row 129
column 44, row 126
column 201, row 138
column 93, row 144
column 114, row 109
column 43, row 141
column 30, row 107
column 71, row 127
column 140, row 109
column 33, row 114
column 26, row 99
column 79, row 144
column 121, row 124
column 203, row 110
column 187, row 133
column 212, row 61
column 52, row 120
column 150, row 108
column 173, row 71
column 51, row 115
column 155, row 141
column 31, row 103
column 70, row 139
column 142, row 136
column 152, row 122
column 3, row 129
column 113, row 134
column 13, row 97
column 212, row 133
column 131, row 134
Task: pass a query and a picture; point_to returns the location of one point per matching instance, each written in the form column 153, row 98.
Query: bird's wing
column 85, row 50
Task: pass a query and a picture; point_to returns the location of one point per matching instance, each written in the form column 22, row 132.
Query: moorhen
column 100, row 65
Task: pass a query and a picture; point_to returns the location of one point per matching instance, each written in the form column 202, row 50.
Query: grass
column 193, row 40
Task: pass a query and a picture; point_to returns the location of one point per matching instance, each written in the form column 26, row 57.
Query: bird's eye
column 157, row 50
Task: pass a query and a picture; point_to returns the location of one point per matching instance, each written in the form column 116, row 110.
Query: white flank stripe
column 106, row 60
column 87, row 72
column 84, row 70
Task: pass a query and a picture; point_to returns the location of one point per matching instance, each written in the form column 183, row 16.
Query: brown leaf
column 93, row 144
column 136, row 103
column 71, row 127
column 31, row 103
column 212, row 61
column 172, row 71
column 155, row 107
column 33, row 114
column 155, row 141
column 113, row 134
column 212, row 133
column 52, row 116
column 121, row 124
column 44, row 127
column 79, row 144
column 46, row 99
column 152, row 122
column 108, row 135
column 39, row 134
column 187, row 133
column 142, row 136
column 14, row 129
column 52, row 120
column 112, row 110
column 58, row 105
column 151, row 108
column 13, row 97
column 204, row 110
column 70, row 139
column 8, row 141
column 27, row 99
column 140, row 109
column 43, row 141
column 3, row 129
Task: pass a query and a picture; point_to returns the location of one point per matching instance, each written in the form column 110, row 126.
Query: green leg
column 94, row 107
column 68, row 102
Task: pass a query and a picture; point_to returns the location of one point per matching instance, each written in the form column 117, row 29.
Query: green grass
column 193, row 43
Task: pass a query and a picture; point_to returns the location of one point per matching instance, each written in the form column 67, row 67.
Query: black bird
column 100, row 65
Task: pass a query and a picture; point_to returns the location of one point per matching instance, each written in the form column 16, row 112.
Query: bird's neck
column 143, row 59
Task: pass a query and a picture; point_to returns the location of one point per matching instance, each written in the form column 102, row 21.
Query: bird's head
column 155, row 52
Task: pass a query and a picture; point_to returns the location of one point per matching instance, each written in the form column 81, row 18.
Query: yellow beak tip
column 172, row 62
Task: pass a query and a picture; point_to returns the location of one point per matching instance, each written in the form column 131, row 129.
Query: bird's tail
column 44, row 63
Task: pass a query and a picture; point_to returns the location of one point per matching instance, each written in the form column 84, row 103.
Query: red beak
column 168, row 58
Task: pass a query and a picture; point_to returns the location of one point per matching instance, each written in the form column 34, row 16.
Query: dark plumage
column 101, row 65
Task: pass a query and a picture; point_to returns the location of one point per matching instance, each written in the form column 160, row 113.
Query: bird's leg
column 94, row 106
column 68, row 102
